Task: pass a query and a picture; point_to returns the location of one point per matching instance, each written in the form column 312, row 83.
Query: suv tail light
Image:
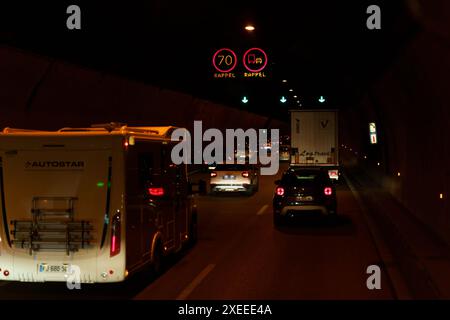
column 328, row 191
column 213, row 174
column 279, row 191
column 157, row 192
column 245, row 174
column 115, row 235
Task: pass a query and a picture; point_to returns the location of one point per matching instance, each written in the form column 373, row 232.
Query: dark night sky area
column 320, row 47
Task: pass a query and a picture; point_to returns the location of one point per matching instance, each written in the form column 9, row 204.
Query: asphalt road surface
column 240, row 255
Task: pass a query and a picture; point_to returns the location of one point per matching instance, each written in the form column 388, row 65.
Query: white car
column 234, row 178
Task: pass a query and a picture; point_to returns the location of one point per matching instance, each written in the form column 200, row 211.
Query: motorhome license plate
column 53, row 268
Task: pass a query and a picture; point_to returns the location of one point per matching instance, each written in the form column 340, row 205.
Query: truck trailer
column 314, row 140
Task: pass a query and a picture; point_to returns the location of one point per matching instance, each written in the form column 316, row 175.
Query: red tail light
column 245, row 174
column 213, row 174
column 115, row 235
column 328, row 191
column 279, row 191
column 156, row 192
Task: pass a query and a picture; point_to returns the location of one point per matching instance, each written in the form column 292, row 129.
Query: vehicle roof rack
column 12, row 130
column 164, row 131
column 109, row 126
column 161, row 131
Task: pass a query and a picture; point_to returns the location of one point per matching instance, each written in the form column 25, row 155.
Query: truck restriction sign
column 255, row 60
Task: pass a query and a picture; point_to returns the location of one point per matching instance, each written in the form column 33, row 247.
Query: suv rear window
column 233, row 167
column 303, row 177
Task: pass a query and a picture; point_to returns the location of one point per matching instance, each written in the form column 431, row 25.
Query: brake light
column 213, row 174
column 328, row 191
column 279, row 191
column 333, row 174
column 245, row 174
column 157, row 192
column 115, row 235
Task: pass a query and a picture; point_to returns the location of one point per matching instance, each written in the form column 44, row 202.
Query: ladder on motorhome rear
column 52, row 227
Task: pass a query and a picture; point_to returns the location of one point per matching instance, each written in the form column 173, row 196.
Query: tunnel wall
column 410, row 105
column 40, row 93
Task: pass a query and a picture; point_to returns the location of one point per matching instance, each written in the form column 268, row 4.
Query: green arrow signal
column 244, row 100
column 321, row 99
column 283, row 99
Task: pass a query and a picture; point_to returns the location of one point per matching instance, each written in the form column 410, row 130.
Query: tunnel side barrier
column 416, row 250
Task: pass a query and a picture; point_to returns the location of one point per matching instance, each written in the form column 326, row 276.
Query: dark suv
column 302, row 190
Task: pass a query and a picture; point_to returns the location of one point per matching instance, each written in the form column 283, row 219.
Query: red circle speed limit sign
column 224, row 60
column 255, row 60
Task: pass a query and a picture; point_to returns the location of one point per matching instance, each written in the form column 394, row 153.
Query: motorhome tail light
column 328, row 191
column 128, row 141
column 213, row 174
column 156, row 192
column 279, row 191
column 6, row 273
column 115, row 235
column 245, row 174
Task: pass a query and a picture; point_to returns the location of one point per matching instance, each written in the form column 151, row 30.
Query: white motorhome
column 107, row 200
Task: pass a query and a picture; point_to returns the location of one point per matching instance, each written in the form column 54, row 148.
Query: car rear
column 304, row 191
column 233, row 178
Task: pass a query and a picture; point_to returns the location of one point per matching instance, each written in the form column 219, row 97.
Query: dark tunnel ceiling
column 320, row 47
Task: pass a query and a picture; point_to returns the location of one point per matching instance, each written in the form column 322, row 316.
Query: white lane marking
column 197, row 280
column 262, row 210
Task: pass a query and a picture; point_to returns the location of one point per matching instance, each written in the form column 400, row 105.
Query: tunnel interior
column 407, row 98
